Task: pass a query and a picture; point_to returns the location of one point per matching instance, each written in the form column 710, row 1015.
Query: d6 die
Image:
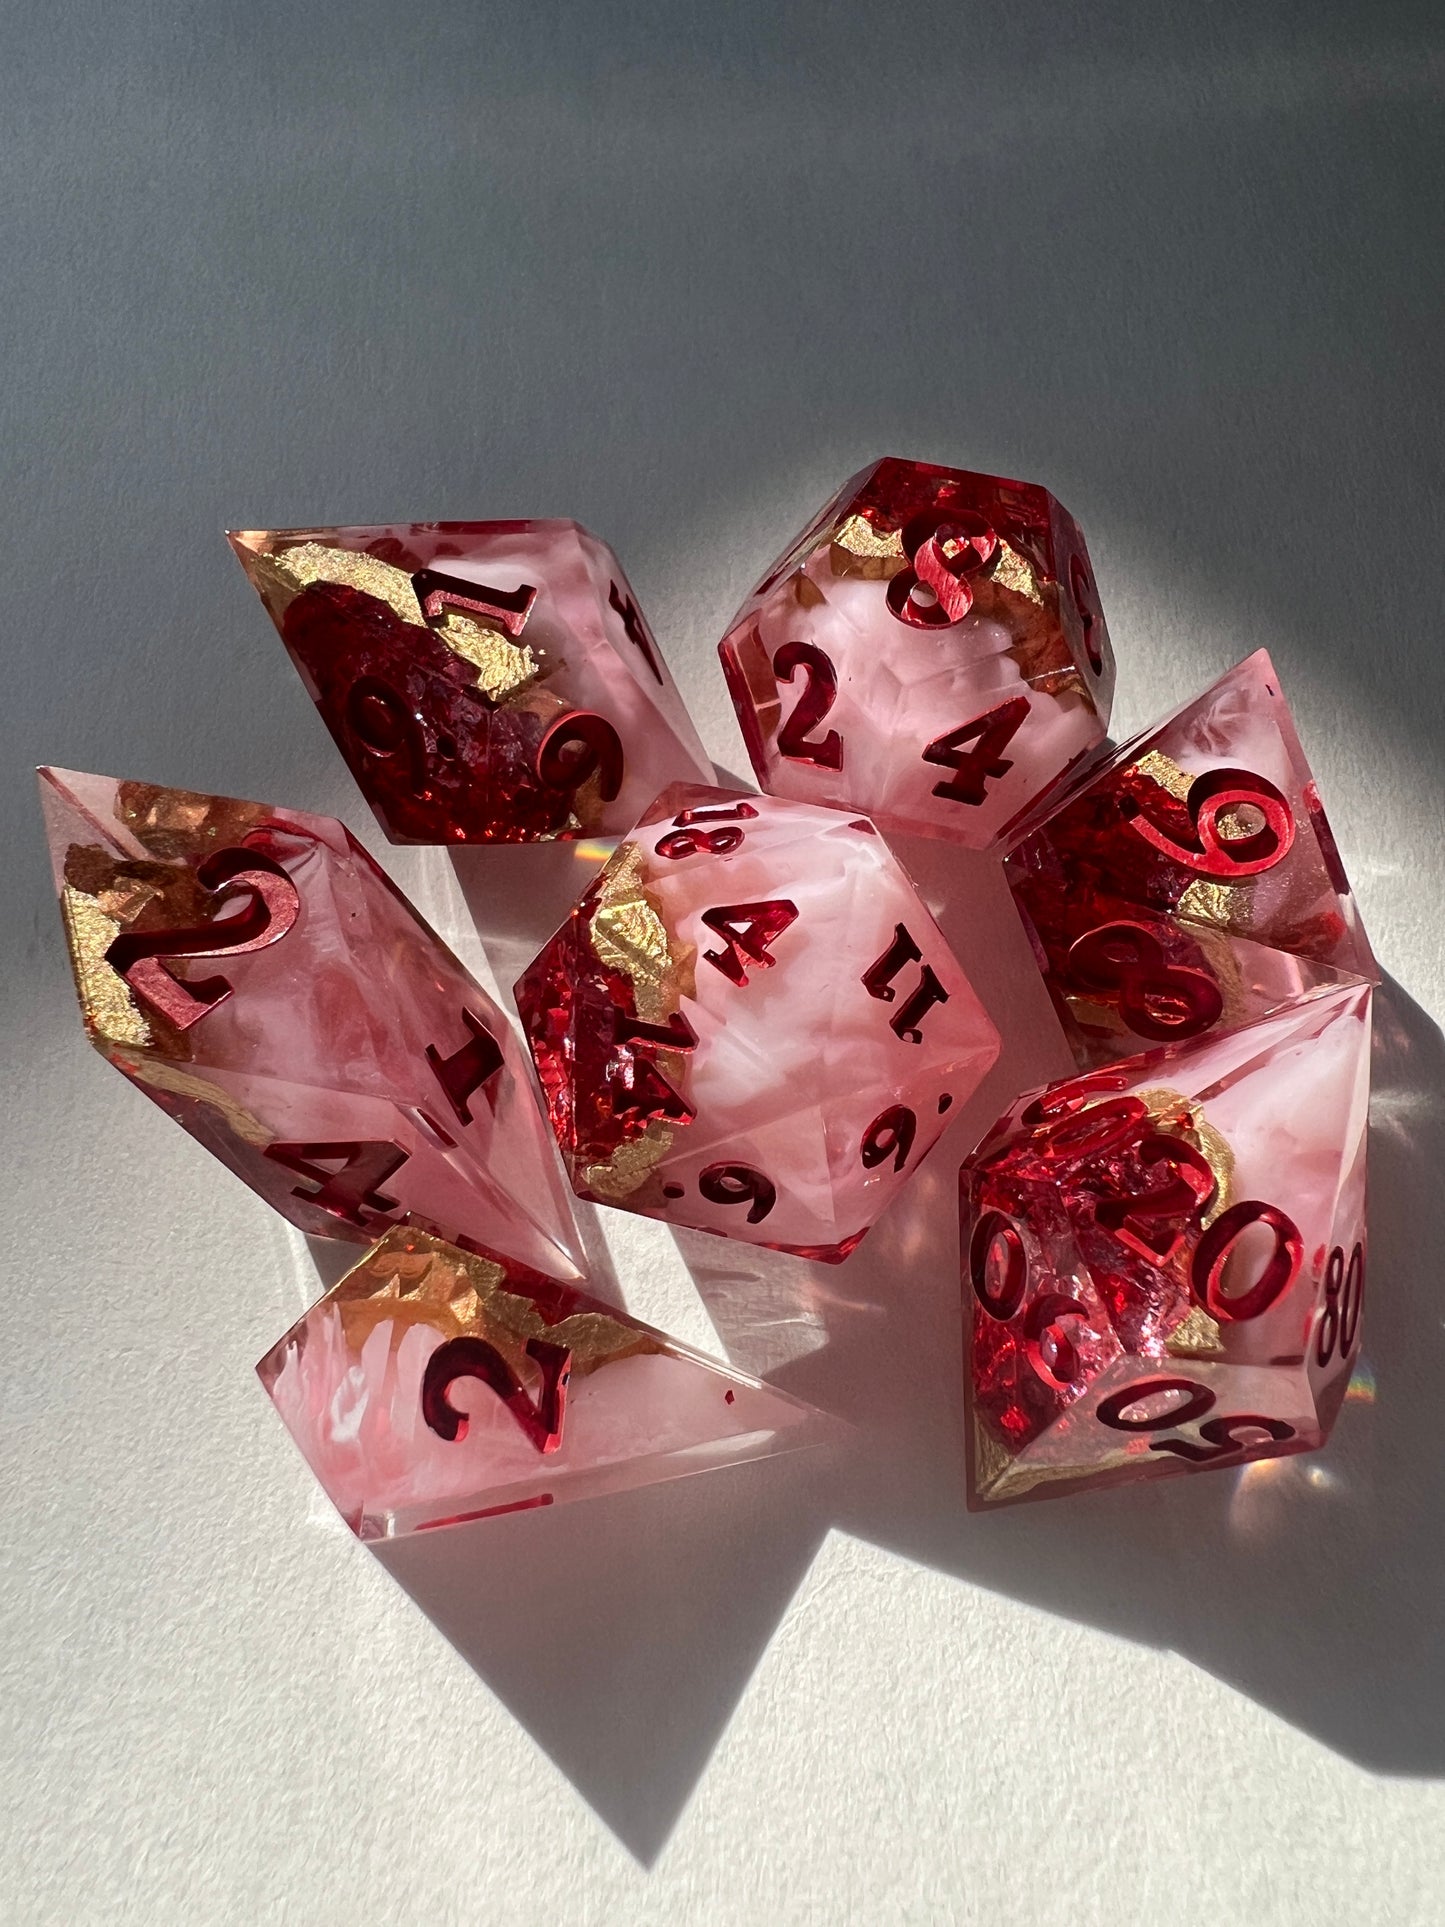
column 931, row 650
column 1190, row 882
column 751, row 1024
column 1164, row 1260
column 255, row 973
column 487, row 682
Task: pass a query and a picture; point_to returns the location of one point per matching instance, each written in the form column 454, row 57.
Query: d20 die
column 432, row 1386
column 487, row 682
column 931, row 650
column 1191, row 882
column 751, row 1024
column 1164, row 1260
column 255, row 973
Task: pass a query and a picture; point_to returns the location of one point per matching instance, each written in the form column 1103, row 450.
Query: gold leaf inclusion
column 860, row 549
column 1195, row 1336
column 164, row 1076
column 109, row 1008
column 412, row 1279
column 504, row 668
column 309, row 562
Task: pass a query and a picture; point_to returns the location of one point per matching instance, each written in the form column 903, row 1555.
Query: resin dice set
column 750, row 1024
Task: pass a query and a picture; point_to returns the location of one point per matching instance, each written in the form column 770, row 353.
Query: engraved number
column 944, row 553
column 385, row 727
column 998, row 1265
column 1339, row 1321
column 739, row 1184
column 820, row 692
column 1157, row 998
column 878, row 982
column 353, row 1190
column 1220, row 1433
column 1214, row 854
column 890, row 1135
column 646, row 1092
column 1211, row 1255
column 578, row 747
column 269, row 905
column 467, row 1357
column 685, row 840
column 746, row 930
column 506, row 609
column 636, row 628
column 973, row 768
column 1153, row 1225
column 465, row 1072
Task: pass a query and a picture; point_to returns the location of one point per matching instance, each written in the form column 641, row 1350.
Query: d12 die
column 751, row 1024
column 432, row 1386
column 1164, row 1260
column 1191, row 882
column 255, row 973
column 931, row 650
column 487, row 682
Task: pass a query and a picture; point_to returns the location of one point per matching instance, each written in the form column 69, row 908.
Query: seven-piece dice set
column 750, row 1024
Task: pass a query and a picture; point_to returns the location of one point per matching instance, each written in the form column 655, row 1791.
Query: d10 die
column 487, row 682
column 432, row 1386
column 931, row 650
column 1164, row 1260
column 255, row 973
column 750, row 1024
column 1191, row 882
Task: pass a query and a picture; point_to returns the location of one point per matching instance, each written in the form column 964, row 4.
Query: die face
column 432, row 1386
column 751, row 1025
column 1190, row 883
column 255, row 973
column 1164, row 1260
column 942, row 710
column 486, row 682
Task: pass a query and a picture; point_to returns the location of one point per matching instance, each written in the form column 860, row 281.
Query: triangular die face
column 1161, row 825
column 430, row 1387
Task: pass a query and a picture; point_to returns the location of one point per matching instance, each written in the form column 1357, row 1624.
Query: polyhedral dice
column 1190, row 882
column 487, row 682
column 751, row 1024
column 1164, row 1260
column 931, row 650
column 255, row 973
column 432, row 1386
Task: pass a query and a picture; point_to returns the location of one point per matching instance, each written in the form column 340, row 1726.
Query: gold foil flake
column 1164, row 771
column 1173, row 1112
column 806, row 592
column 631, row 1164
column 173, row 823
column 628, row 935
column 1195, row 1336
column 998, row 1476
column 164, row 1076
column 504, row 668
column 1227, row 906
column 110, row 1010
column 309, row 562
column 859, row 549
column 1013, row 573
column 990, row 1460
column 412, row 1279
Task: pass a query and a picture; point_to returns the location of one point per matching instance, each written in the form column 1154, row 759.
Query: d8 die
column 487, row 682
column 1190, row 882
column 1164, row 1260
column 431, row 1386
column 751, row 1024
column 931, row 650
column 255, row 973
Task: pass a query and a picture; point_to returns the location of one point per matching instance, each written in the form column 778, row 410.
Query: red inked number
column 267, row 903
column 1264, row 822
column 465, row 1072
column 1339, row 1320
column 998, row 1265
column 380, row 722
column 540, row 1418
column 1211, row 1256
column 890, row 1135
column 635, row 628
column 974, row 768
column 739, row 1184
column 578, row 747
column 1219, row 1434
column 877, row 980
column 820, row 692
column 935, row 592
column 747, row 929
column 506, row 609
column 352, row 1191
column 644, row 1091
column 1157, row 998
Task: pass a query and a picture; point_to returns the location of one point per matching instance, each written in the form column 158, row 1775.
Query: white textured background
column 676, row 270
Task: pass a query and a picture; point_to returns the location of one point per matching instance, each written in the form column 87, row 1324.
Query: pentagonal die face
column 256, row 975
column 1191, row 882
column 487, row 682
column 1164, row 1261
column 751, row 1024
column 931, row 650
column 432, row 1386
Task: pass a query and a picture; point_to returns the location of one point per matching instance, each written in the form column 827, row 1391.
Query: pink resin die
column 487, row 682
column 1164, row 1260
column 1190, row 882
column 751, row 1024
column 931, row 650
column 432, row 1386
column 255, row 973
